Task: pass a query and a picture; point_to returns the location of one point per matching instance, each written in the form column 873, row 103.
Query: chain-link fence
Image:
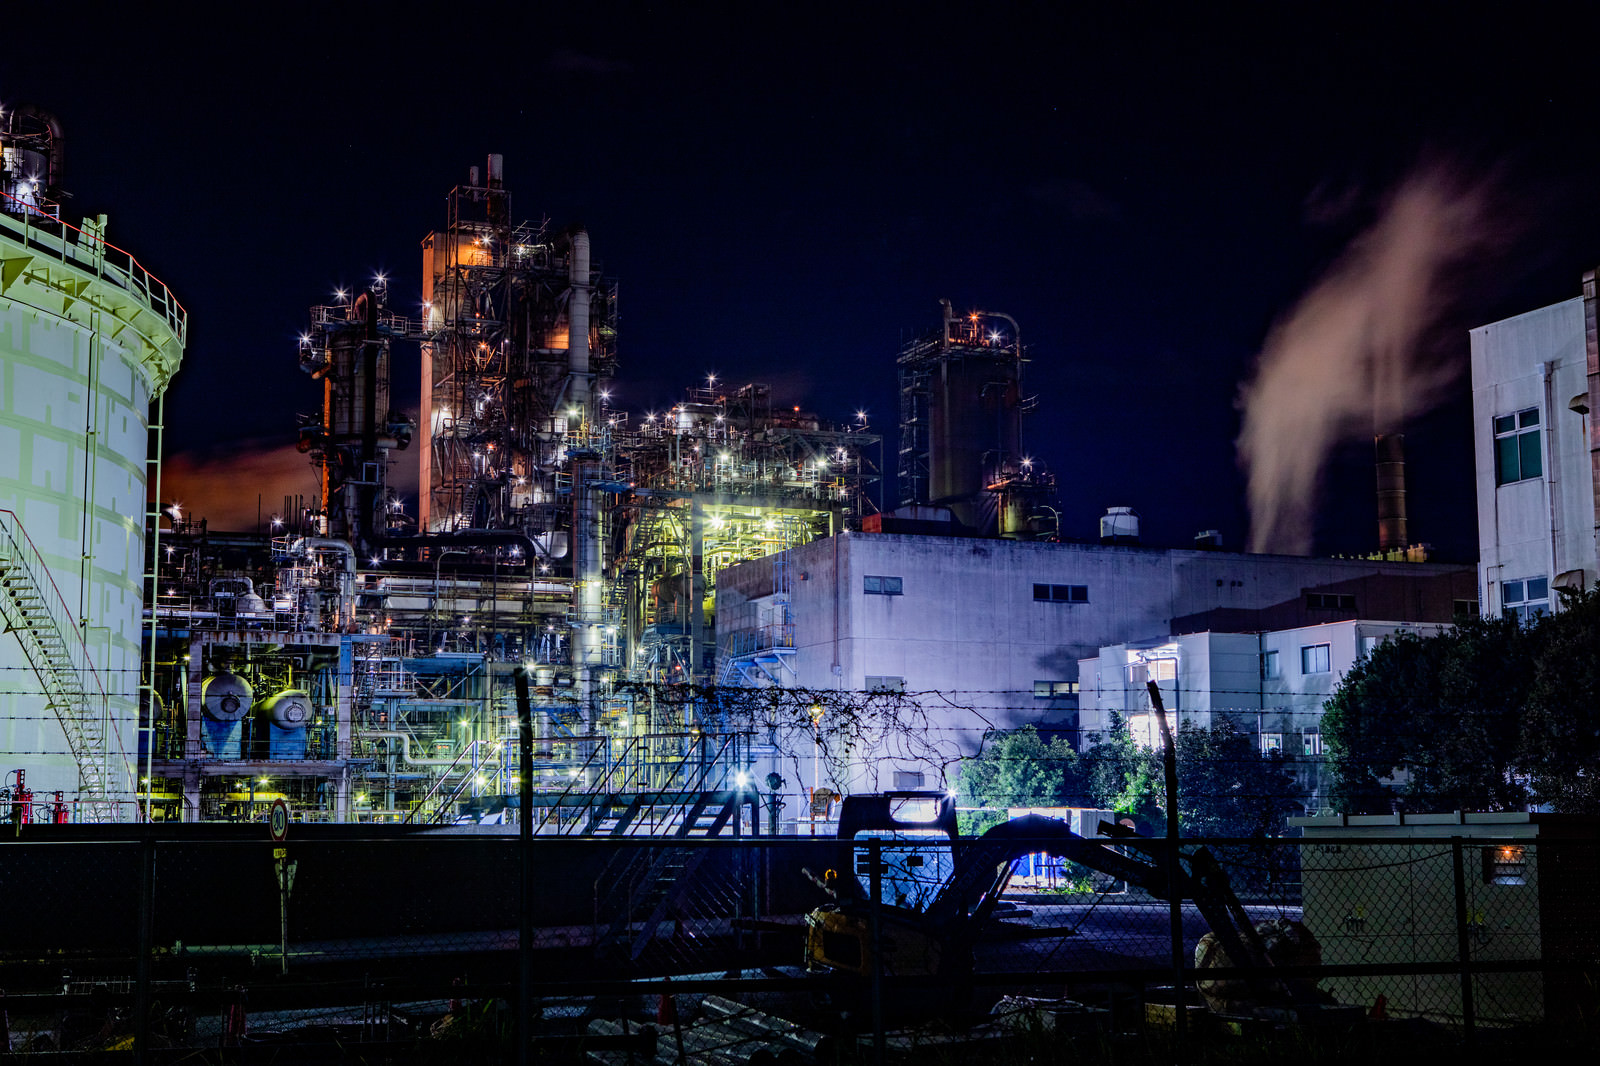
column 174, row 945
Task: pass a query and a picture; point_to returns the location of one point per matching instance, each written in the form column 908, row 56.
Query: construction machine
column 939, row 894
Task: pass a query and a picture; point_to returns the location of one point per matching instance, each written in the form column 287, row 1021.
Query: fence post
column 524, row 1023
column 875, row 880
column 146, row 932
column 1463, row 939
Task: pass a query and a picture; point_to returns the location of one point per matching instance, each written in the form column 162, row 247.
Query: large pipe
column 588, row 574
column 405, row 748
column 1391, row 458
column 347, row 577
column 578, row 375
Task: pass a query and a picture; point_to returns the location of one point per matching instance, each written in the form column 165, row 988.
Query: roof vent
column 1119, row 525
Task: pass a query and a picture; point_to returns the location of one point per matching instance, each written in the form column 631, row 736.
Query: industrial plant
column 357, row 663
column 649, row 573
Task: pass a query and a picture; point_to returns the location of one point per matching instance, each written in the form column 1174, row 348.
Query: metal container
column 226, row 697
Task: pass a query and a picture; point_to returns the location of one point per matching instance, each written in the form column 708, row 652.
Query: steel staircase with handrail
column 33, row 610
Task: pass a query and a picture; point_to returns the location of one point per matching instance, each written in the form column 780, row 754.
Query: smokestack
column 497, row 170
column 1391, row 456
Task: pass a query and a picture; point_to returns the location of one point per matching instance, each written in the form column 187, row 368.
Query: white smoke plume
column 1354, row 356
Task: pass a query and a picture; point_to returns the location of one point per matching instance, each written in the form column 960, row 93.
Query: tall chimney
column 1391, row 455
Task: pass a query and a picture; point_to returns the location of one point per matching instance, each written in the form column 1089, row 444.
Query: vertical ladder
column 32, row 609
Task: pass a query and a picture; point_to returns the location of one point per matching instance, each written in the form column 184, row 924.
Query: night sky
column 783, row 192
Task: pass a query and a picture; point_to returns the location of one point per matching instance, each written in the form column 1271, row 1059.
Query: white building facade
column 1269, row 685
column 989, row 634
column 1533, row 379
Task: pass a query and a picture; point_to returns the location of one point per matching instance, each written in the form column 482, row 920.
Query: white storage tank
column 88, row 340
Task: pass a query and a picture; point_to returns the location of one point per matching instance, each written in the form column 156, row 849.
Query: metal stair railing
column 646, row 884
column 33, row 609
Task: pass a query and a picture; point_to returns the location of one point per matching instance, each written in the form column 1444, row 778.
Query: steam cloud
column 1352, row 358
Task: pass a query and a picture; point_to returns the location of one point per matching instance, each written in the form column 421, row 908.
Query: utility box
column 1383, row 890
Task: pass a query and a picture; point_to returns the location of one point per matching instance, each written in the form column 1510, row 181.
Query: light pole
column 816, row 711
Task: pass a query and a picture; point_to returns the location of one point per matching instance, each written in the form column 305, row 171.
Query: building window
column 1505, row 864
column 1269, row 665
column 1516, row 447
column 1525, row 599
column 1271, row 742
column 1311, row 741
column 876, row 585
column 1331, row 601
column 1316, row 659
column 1061, row 593
column 905, row 780
column 1464, row 608
column 884, row 683
column 1045, row 690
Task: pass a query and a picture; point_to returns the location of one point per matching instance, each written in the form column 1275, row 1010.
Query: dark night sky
column 782, row 191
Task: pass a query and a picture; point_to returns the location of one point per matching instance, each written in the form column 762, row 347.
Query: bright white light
column 372, row 561
column 822, row 464
column 339, row 294
column 861, row 416
column 723, row 456
column 742, row 778
column 380, row 279
column 605, row 394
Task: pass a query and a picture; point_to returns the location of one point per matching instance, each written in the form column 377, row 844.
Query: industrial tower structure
column 554, row 531
column 961, row 408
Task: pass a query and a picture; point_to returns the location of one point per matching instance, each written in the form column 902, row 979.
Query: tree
column 1560, row 738
column 1433, row 723
column 1228, row 788
column 1123, row 777
column 1019, row 768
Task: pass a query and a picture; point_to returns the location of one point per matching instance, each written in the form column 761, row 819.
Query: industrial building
column 991, row 633
column 88, row 342
column 1269, row 684
column 1535, row 385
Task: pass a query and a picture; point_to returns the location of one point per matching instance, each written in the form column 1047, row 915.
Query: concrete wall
column 1542, row 526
